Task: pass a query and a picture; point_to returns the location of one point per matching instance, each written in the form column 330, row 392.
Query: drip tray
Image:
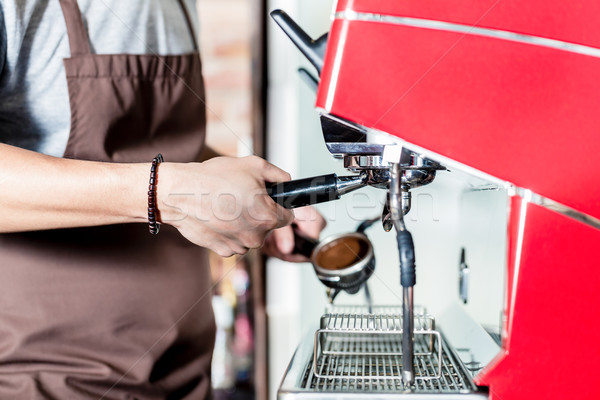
column 361, row 372
column 361, row 366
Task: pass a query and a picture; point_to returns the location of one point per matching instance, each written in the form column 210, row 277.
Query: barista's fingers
column 222, row 250
column 309, row 221
column 284, row 217
column 271, row 173
column 226, row 246
column 236, row 245
column 235, row 248
column 279, row 216
column 284, row 239
column 269, row 248
column 296, row 258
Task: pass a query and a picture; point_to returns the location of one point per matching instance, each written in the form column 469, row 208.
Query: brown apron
column 112, row 312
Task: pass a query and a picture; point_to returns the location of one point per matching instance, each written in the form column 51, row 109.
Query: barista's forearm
column 42, row 192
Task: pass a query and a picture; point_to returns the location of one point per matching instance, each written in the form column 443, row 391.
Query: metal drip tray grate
column 362, row 352
column 350, row 368
column 369, row 346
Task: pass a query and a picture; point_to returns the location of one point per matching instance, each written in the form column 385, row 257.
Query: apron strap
column 189, row 24
column 78, row 38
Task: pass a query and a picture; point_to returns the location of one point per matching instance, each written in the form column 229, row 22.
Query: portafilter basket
column 343, row 261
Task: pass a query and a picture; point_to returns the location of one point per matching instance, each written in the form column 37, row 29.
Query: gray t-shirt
column 34, row 102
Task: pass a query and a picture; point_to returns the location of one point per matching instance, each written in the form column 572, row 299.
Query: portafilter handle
column 318, row 189
column 303, row 244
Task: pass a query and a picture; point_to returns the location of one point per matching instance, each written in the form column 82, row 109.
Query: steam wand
column 406, row 250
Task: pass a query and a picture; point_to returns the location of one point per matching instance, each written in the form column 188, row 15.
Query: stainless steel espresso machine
column 498, row 94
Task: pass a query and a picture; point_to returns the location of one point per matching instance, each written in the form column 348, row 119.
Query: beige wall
column 225, row 29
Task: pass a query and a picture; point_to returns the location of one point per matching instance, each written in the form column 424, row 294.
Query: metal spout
column 406, row 199
column 332, row 294
column 347, row 184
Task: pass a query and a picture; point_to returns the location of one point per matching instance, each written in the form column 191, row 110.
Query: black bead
column 153, row 226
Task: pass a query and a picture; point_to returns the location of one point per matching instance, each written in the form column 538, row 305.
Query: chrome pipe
column 406, row 253
column 396, row 197
column 408, row 373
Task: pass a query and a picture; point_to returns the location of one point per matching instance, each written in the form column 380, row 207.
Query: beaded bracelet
column 153, row 226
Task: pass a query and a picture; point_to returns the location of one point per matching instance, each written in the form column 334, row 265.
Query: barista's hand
column 222, row 203
column 280, row 243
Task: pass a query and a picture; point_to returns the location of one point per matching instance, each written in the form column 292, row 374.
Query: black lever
column 318, row 189
column 303, row 244
column 313, row 50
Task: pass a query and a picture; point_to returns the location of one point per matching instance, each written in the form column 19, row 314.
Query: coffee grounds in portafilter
column 341, row 253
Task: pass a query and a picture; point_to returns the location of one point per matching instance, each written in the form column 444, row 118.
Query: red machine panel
column 570, row 22
column 551, row 347
column 518, row 111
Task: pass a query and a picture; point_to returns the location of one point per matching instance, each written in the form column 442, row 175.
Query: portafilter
column 343, row 261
